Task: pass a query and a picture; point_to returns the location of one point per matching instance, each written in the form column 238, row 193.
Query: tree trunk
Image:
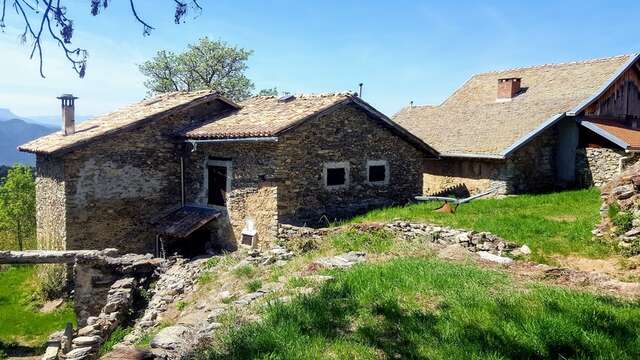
column 18, row 236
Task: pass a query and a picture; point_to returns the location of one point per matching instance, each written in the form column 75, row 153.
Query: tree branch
column 146, row 27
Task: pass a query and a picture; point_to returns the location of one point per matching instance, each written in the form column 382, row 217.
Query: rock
column 51, row 306
column 83, row 341
column 126, row 283
column 89, row 330
column 51, row 353
column 249, row 298
column 624, row 192
column 79, row 353
column 171, row 338
column 65, row 340
column 495, row 258
column 320, row 278
column 633, row 232
column 525, row 250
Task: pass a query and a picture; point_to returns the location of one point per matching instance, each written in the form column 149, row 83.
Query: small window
column 377, row 172
column 336, row 175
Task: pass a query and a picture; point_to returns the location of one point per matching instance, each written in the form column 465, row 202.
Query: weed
column 623, row 221
column 297, row 282
column 181, row 305
column 246, row 271
column 254, row 285
column 116, row 336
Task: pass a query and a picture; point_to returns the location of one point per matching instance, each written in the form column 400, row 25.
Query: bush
column 51, row 281
column 303, row 245
column 623, row 222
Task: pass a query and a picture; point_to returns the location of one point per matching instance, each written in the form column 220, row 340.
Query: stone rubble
column 471, row 240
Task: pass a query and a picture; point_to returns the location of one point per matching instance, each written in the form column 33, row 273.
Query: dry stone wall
column 50, row 203
column 598, row 166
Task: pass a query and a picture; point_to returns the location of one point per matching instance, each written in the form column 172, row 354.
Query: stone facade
column 529, row 169
column 276, row 182
column 347, row 135
column 106, row 194
column 598, row 166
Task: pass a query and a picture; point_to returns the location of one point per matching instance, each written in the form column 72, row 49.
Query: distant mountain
column 53, row 120
column 14, row 132
column 6, row 114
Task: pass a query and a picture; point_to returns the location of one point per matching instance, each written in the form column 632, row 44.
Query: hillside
column 14, row 132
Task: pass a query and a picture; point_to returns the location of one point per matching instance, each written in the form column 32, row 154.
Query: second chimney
column 68, row 113
column 508, row 88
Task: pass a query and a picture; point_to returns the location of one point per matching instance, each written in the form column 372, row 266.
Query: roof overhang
column 588, row 101
column 603, row 133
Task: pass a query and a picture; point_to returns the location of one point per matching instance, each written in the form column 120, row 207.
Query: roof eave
column 472, row 156
column 588, row 101
column 605, row 134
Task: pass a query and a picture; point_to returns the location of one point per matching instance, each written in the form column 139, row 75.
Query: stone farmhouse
column 533, row 129
column 192, row 171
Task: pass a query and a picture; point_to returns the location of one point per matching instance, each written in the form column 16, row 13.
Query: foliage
column 613, row 210
column 254, row 285
column 51, row 281
column 20, row 319
column 18, row 204
column 556, row 223
column 181, row 305
column 49, row 18
column 116, row 336
column 269, row 92
column 623, row 221
column 413, row 308
column 205, row 65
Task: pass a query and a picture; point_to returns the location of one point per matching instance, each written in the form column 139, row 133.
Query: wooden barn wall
column 623, row 98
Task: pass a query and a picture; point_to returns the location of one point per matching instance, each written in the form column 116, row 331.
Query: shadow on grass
column 16, row 350
column 313, row 326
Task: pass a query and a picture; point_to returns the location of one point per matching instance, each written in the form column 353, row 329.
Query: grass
column 246, row 271
column 116, row 336
column 21, row 322
column 550, row 224
column 427, row 308
column 254, row 285
column 375, row 241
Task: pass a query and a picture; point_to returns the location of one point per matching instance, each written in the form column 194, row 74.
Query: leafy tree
column 205, row 65
column 18, row 203
column 42, row 18
column 269, row 92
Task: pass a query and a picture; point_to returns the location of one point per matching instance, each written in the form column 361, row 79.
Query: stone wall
column 598, row 166
column 346, row 134
column 107, row 184
column 253, row 188
column 529, row 169
column 50, row 203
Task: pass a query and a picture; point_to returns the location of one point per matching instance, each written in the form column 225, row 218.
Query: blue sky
column 400, row 50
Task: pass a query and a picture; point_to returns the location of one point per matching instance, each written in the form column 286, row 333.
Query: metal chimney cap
column 66, row 97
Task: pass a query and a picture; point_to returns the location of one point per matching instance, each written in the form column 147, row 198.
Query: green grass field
column 21, row 323
column 412, row 308
column 556, row 223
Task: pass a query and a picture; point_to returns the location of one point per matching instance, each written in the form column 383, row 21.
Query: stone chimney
column 508, row 88
column 68, row 113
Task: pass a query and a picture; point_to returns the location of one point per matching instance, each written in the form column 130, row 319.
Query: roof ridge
column 540, row 66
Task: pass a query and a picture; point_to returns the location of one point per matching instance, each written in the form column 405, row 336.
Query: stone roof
column 471, row 122
column 132, row 115
column 269, row 116
column 262, row 116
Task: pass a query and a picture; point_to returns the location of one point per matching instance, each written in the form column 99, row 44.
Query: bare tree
column 42, row 18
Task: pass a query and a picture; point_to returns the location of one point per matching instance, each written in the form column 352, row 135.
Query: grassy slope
column 557, row 223
column 20, row 321
column 427, row 308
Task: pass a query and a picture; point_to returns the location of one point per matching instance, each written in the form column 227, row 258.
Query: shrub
column 51, row 281
column 303, row 245
column 613, row 210
column 623, row 222
column 254, row 285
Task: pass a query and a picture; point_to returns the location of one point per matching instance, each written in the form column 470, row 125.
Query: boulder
column 83, row 341
column 79, row 353
column 495, row 258
column 172, row 337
